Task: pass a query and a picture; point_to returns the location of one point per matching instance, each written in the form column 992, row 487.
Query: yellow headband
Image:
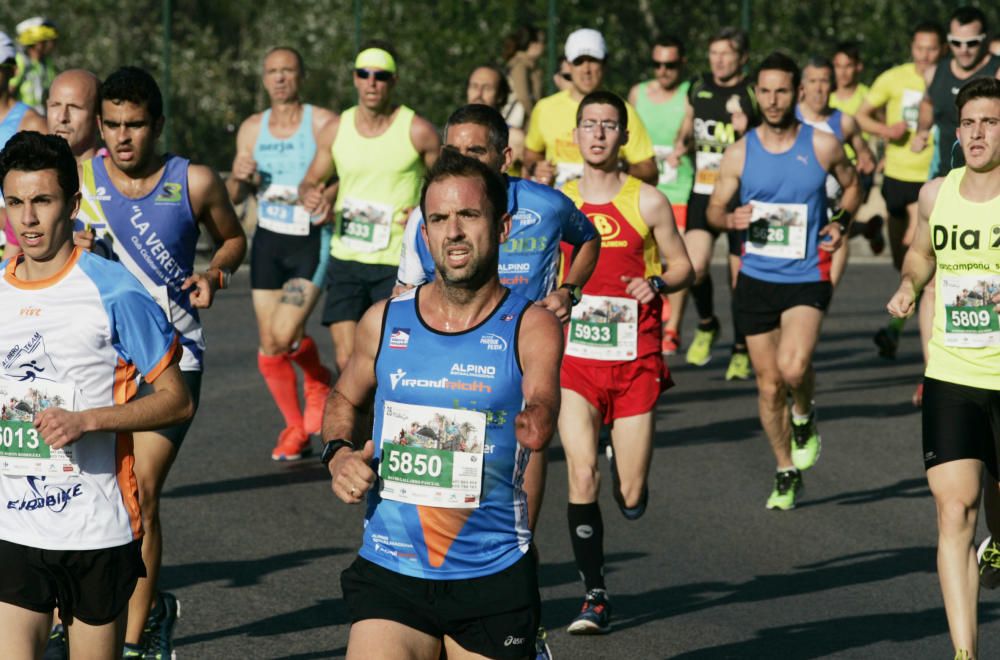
column 375, row 58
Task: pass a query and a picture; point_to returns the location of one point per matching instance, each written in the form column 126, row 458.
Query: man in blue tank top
column 288, row 257
column 150, row 208
column 446, row 562
column 779, row 170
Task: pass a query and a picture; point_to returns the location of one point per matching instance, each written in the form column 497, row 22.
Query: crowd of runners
column 475, row 313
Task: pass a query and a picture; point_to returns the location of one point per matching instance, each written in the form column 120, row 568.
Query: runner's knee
column 955, row 515
column 585, row 479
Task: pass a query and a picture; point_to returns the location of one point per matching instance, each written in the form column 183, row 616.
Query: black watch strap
column 575, row 292
column 332, row 447
column 657, row 283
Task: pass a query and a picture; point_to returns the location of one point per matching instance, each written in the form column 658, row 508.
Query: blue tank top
column 541, row 217
column 476, row 370
column 795, row 183
column 282, row 164
column 11, row 122
column 834, row 123
column 155, row 238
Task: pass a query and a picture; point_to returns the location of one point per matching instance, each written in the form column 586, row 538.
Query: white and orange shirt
column 87, row 332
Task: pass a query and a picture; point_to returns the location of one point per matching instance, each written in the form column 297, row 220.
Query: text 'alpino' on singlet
column 450, row 503
column 788, row 193
column 155, row 237
column 380, row 178
column 663, row 121
column 282, row 164
column 965, row 342
column 609, row 326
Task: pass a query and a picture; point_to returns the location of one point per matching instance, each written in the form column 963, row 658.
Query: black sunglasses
column 968, row 43
column 381, row 76
column 566, row 76
column 675, row 64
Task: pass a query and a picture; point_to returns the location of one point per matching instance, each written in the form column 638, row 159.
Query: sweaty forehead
column 599, row 111
column 281, row 58
column 483, row 75
column 123, row 111
column 455, row 192
column 981, row 108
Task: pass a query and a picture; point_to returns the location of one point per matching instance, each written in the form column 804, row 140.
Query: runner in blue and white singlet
column 155, row 237
column 485, row 379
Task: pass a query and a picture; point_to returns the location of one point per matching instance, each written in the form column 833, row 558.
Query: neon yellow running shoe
column 739, row 367
column 786, row 484
column 962, row 654
column 806, row 443
column 700, row 351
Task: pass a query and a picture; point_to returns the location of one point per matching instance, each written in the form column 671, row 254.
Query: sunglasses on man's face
column 566, row 76
column 671, row 65
column 381, row 76
column 968, row 43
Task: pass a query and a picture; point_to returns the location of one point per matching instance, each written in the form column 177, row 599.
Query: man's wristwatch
column 225, row 275
column 657, row 283
column 575, row 292
column 332, row 447
column 842, row 218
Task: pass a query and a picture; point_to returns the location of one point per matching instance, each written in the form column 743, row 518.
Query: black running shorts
column 960, row 422
column 899, row 194
column 176, row 433
column 697, row 218
column 276, row 259
column 758, row 305
column 496, row 616
column 93, row 586
column 353, row 287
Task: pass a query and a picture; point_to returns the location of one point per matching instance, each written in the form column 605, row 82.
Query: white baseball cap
column 586, row 42
column 7, row 50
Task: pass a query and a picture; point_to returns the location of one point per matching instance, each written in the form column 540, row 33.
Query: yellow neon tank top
column 380, row 177
column 965, row 343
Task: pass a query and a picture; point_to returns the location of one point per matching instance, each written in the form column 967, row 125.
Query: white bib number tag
column 911, row 107
column 23, row 451
column 365, row 226
column 280, row 212
column 668, row 173
column 566, row 172
column 970, row 303
column 604, row 328
column 432, row 456
column 707, row 164
column 778, row 230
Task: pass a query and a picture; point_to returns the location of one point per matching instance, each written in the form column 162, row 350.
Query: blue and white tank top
column 282, row 164
column 155, row 237
column 445, row 446
column 788, row 192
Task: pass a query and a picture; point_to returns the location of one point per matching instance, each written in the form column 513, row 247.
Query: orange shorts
column 680, row 215
column 624, row 389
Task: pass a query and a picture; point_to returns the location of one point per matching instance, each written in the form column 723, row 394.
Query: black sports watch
column 332, row 447
column 575, row 292
column 657, row 283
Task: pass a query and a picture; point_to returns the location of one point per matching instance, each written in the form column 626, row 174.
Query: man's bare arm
column 321, row 169
column 540, row 348
column 170, row 403
column 350, row 471
column 919, row 263
column 212, row 208
column 425, row 140
column 240, row 183
column 659, row 216
column 645, row 171
column 730, row 171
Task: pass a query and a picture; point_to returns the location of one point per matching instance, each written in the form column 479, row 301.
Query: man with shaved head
column 72, row 111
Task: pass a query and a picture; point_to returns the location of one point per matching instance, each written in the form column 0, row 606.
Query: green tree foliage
column 216, row 46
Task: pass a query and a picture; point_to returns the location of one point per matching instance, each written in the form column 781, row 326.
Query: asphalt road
column 254, row 548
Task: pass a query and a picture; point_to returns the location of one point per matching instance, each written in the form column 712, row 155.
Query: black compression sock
column 586, row 531
column 704, row 302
